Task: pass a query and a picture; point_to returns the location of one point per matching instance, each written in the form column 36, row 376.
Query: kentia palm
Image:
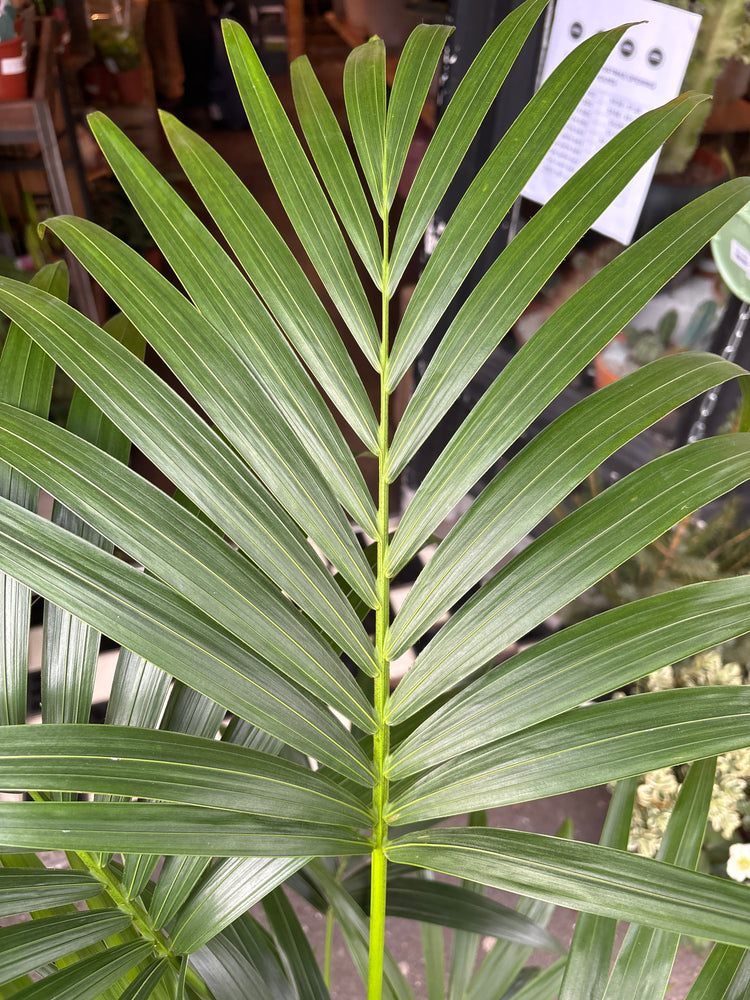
column 236, row 612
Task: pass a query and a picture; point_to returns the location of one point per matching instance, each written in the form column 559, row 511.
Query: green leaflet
column 147, row 764
column 169, row 829
column 491, row 194
column 29, row 946
column 168, row 431
column 586, row 877
column 226, row 891
column 725, row 975
column 275, row 272
column 336, row 168
column 153, row 620
column 303, row 971
column 300, row 192
column 571, row 557
column 576, row 665
column 457, row 127
column 585, row 747
column 22, row 890
column 414, row 72
column 184, row 553
column 88, row 978
column 542, row 475
column 26, row 375
column 364, row 94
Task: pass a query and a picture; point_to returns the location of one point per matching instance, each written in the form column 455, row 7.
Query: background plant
column 232, row 624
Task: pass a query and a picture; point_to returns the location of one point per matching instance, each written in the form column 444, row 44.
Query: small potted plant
column 13, row 77
column 118, row 45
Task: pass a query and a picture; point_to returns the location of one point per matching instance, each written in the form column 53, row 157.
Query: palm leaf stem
column 141, row 920
column 381, row 739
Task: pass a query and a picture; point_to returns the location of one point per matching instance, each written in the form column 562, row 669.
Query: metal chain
column 698, row 430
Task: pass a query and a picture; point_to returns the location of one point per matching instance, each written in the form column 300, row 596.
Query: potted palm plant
column 247, row 596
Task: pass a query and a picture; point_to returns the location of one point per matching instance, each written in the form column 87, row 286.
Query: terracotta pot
column 13, row 76
column 612, row 363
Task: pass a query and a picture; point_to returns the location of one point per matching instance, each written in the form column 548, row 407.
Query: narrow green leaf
column 227, row 891
column 142, row 763
column 506, row 959
column 275, row 272
column 415, row 71
column 209, row 367
column 457, row 127
column 244, row 735
column 26, row 376
column 644, row 962
column 70, row 649
column 544, row 984
column 29, row 946
column 364, row 96
column 571, row 557
column 725, row 975
column 299, row 958
column 300, row 192
column 253, row 941
column 176, row 881
column 193, row 713
column 69, row 656
column 137, row 870
column 169, row 432
column 542, row 475
column 560, row 349
column 142, row 614
column 590, row 954
column 511, row 283
column 227, row 972
column 491, row 195
column 26, row 372
column 465, row 910
column 335, row 165
column 114, row 827
column 139, row 692
column 23, row 890
column 585, row 747
column 433, row 953
column 250, row 339
column 145, row 983
column 89, row 978
column 586, row 877
column 578, row 664
column 182, row 551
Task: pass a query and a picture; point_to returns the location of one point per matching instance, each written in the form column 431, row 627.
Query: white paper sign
column 645, row 70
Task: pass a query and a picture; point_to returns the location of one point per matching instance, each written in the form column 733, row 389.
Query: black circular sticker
column 655, row 57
